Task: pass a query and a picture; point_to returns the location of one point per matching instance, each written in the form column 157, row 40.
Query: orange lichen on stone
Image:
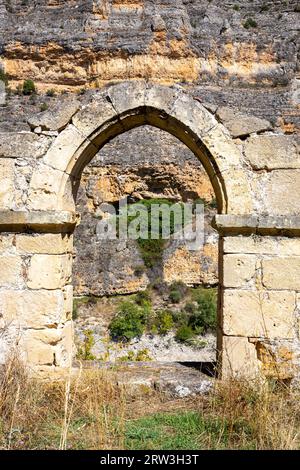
column 276, row 362
column 132, row 4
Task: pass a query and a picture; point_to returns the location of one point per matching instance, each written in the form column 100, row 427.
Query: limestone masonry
column 227, row 88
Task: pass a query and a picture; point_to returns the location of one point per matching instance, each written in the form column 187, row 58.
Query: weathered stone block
column 64, row 349
column 278, row 193
column 6, row 243
column 7, row 186
column 277, row 360
column 33, row 309
column 39, row 345
column 262, row 245
column 68, row 301
column 57, row 118
column 95, row 114
column 268, row 314
column 281, row 273
column 239, row 270
column 240, row 124
column 127, row 96
column 273, row 151
column 239, row 358
column 225, row 151
column 49, row 271
column 44, row 243
column 23, row 144
column 194, row 116
column 62, row 150
column 44, row 188
column 11, row 270
column 161, row 98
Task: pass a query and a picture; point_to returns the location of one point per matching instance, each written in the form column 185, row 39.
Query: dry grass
column 90, row 411
column 253, row 416
column 85, row 412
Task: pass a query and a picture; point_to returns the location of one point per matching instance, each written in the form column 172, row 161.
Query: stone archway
column 38, row 294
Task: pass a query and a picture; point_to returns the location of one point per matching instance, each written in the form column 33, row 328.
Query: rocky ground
column 178, row 380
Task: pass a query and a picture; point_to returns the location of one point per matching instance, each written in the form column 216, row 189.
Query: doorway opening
column 145, row 301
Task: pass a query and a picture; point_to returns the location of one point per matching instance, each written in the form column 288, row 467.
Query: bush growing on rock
column 178, row 291
column 203, row 316
column 3, row 77
column 163, row 322
column 250, row 23
column 28, row 87
column 143, row 298
column 184, row 334
column 85, row 351
column 130, row 321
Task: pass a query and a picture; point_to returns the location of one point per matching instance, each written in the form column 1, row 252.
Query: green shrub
column 3, row 77
column 85, row 351
column 143, row 355
column 143, row 298
column 250, row 23
column 50, row 92
column 130, row 321
column 140, row 356
column 151, row 249
column 236, row 7
column 175, row 296
column 184, row 334
column 28, row 87
column 43, row 107
column 177, row 291
column 203, row 315
column 163, row 322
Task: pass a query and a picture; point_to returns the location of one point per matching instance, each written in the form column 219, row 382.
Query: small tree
column 28, row 87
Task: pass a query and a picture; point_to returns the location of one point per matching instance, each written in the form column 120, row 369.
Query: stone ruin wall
column 248, row 79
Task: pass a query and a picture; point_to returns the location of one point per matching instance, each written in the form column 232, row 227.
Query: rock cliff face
column 239, row 53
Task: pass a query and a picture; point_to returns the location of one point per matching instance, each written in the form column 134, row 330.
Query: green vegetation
column 50, row 92
column 184, row 334
column 162, row 322
column 203, row 316
column 236, row 7
column 3, row 77
column 178, row 291
column 28, row 87
column 89, row 410
column 250, row 23
column 151, row 244
column 130, row 321
column 44, row 107
column 85, row 350
column 140, row 356
column 136, row 316
column 198, row 316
